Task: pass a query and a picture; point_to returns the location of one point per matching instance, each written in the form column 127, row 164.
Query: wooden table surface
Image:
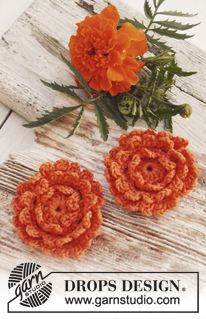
column 128, row 241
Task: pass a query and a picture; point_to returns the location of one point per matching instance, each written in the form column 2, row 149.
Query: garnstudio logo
column 29, row 285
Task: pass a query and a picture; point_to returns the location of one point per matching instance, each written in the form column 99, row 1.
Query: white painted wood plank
column 10, row 11
column 4, row 111
column 13, row 136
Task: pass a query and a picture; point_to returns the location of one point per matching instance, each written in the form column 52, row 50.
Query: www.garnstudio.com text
column 123, row 286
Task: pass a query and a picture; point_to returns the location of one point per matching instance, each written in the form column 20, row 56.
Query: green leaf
column 182, row 73
column 140, row 110
column 172, row 24
column 168, row 124
column 160, row 59
column 139, row 113
column 152, row 121
column 148, row 10
column 62, row 88
column 113, row 111
column 172, row 33
column 155, row 3
column 78, row 75
column 134, row 107
column 51, row 116
column 177, row 14
column 133, row 21
column 177, row 70
column 102, row 123
column 160, row 2
column 76, row 123
column 135, row 119
column 161, row 44
column 164, row 105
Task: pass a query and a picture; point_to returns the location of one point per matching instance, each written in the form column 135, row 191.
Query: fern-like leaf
column 82, row 81
column 51, row 116
column 172, row 33
column 155, row 3
column 177, row 14
column 109, row 105
column 102, row 123
column 177, row 70
column 168, row 124
column 161, row 44
column 151, row 120
column 76, row 123
column 62, row 88
column 133, row 21
column 160, row 2
column 148, row 10
column 172, row 24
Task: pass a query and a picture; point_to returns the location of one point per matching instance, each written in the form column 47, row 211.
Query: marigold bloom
column 148, row 172
column 105, row 56
column 58, row 210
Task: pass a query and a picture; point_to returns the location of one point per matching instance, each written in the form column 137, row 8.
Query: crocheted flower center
column 149, row 168
column 61, row 209
column 147, row 173
column 152, row 171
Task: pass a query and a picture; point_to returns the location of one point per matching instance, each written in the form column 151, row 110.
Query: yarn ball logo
column 30, row 285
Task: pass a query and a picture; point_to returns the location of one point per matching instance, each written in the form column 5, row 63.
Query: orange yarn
column 148, row 172
column 58, row 210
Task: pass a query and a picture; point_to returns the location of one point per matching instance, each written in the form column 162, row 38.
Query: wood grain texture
column 13, row 136
column 4, row 113
column 30, row 51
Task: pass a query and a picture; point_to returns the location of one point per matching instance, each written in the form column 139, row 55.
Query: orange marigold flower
column 104, row 55
column 148, row 172
column 58, row 210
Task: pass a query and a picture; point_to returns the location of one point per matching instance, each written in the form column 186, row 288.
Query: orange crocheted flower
column 148, row 172
column 104, row 55
column 58, row 210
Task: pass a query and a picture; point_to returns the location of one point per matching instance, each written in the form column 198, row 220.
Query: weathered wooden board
column 30, row 51
column 4, row 113
column 10, row 129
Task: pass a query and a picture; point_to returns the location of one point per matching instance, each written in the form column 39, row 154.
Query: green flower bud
column 186, row 110
column 126, row 103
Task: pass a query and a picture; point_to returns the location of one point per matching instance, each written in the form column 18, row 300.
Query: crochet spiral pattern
column 58, row 210
column 148, row 172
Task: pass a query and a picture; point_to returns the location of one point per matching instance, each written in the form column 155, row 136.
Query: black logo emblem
column 30, row 285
